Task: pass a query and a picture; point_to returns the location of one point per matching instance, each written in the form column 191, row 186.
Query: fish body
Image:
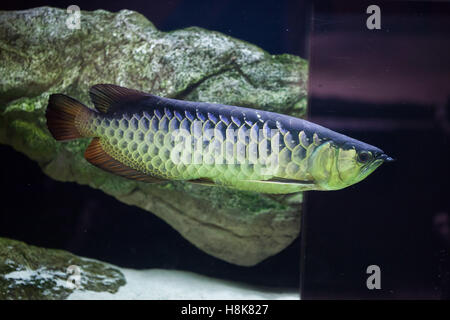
column 145, row 137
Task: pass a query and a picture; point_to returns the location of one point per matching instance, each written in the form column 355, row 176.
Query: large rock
column 29, row 272
column 39, row 55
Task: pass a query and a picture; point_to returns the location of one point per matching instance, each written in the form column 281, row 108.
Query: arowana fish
column 149, row 138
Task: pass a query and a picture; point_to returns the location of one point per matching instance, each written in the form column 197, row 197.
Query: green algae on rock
column 41, row 56
column 29, row 272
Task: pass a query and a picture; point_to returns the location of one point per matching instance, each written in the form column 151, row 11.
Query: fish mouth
column 385, row 158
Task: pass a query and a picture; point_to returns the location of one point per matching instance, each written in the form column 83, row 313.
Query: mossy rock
column 29, row 272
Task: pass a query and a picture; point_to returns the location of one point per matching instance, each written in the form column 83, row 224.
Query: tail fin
column 64, row 115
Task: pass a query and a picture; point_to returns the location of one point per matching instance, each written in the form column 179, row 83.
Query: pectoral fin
column 290, row 181
column 301, row 185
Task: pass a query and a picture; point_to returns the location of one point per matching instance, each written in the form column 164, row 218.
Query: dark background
column 387, row 87
column 48, row 213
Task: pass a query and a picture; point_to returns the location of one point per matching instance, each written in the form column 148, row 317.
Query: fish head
column 336, row 167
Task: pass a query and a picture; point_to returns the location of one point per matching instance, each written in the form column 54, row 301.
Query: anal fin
column 97, row 156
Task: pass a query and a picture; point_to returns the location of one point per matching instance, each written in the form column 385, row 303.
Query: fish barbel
column 149, row 138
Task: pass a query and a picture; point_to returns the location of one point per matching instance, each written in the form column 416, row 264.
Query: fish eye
column 364, row 156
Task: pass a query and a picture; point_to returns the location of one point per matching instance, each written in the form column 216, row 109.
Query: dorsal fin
column 289, row 181
column 96, row 155
column 105, row 96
